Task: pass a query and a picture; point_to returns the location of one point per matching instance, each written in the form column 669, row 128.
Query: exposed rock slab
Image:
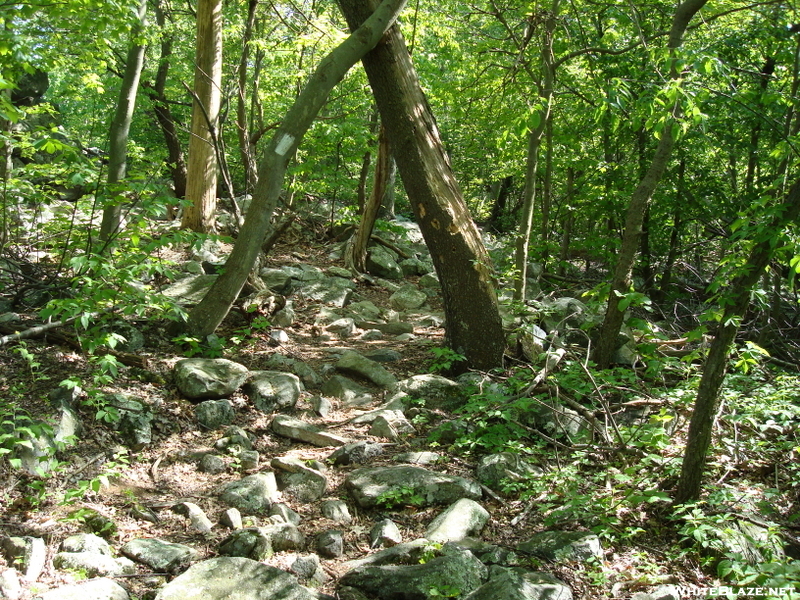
column 208, row 378
column 367, row 485
column 463, row 518
column 356, row 364
column 97, row 589
column 563, row 545
column 516, row 584
column 159, row 555
column 295, row 429
column 253, row 494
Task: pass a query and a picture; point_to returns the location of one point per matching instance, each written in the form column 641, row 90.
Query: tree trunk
column 472, row 322
column 121, row 125
column 210, row 312
column 355, row 257
column 621, row 279
column 386, row 211
column 534, row 142
column 175, row 156
column 201, row 186
column 736, row 302
column 246, row 149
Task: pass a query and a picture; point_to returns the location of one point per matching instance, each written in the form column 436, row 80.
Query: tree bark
column 736, row 302
column 246, row 148
column 472, row 322
column 121, row 125
column 621, row 280
column 210, row 312
column 534, row 143
column 355, row 257
column 201, row 187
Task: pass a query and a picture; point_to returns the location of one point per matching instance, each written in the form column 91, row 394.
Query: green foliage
column 444, row 359
column 399, row 497
column 112, row 468
column 444, row 591
column 17, row 430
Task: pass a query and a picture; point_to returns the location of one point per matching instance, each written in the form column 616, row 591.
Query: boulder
column 368, row 485
column 213, row 414
column 346, row 389
column 381, row 263
column 438, row 392
column 161, row 556
column 93, row 564
column 296, row 429
column 385, row 533
column 356, row 364
column 337, row 511
column 408, row 297
column 240, row 578
column 135, row 422
column 96, row 589
column 563, row 545
column 253, row 494
column 330, row 544
column 356, row 453
column 517, row 584
column 456, row 570
column 208, row 378
column 463, row 518
column 391, row 424
column 272, row 391
column 28, row 554
column 285, row 364
column 493, row 469
column 298, row 480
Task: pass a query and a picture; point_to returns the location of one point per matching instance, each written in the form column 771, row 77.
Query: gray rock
column 198, row 519
column 278, row 336
column 371, row 335
column 334, row 291
column 330, row 544
column 516, row 584
column 248, row 460
column 408, row 297
column 254, row 543
column 309, row 568
column 190, row 290
column 356, row 453
column 430, row 281
column 463, row 518
column 337, row 511
column 553, row 418
column 208, row 378
column 161, row 556
column 390, row 328
column 96, row 589
column 234, row 437
column 364, row 310
column 404, row 553
column 381, row 263
column 135, row 422
column 221, row 579
column 93, row 564
column 231, row 518
column 86, row 542
column 344, row 328
column 345, row 389
column 284, row 512
column 438, row 392
column 413, row 267
column 253, row 494
column 532, row 340
column 356, row 364
column 391, row 424
column 385, row 533
column 277, row 280
column 212, row 464
column 296, row 429
column 285, row 364
column 302, row 482
column 383, row 355
column 322, row 406
column 28, row 554
column 10, row 587
column 367, row 485
column 458, row 569
column 563, row 545
column 213, row 414
column 418, row 458
column 272, row 391
column 493, row 469
column 285, row 317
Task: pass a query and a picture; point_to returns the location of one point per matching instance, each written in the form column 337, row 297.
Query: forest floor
column 165, row 473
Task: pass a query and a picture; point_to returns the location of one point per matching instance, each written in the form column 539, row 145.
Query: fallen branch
column 36, row 331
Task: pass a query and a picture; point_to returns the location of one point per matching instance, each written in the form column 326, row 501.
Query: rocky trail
column 300, row 465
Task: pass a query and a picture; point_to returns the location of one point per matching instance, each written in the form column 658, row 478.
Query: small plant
column 444, row 591
column 399, row 497
column 444, row 359
column 212, row 347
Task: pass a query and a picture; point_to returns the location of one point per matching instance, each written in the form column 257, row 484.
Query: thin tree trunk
column 201, row 186
column 547, row 192
column 355, row 257
column 246, row 149
column 472, row 322
column 569, row 222
column 736, row 302
column 386, row 211
column 621, row 279
column 121, row 124
column 161, row 107
column 523, row 241
column 210, row 312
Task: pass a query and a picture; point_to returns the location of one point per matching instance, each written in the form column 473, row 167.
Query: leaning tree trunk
column 472, row 322
column 121, row 125
column 210, row 312
column 355, row 256
column 621, row 280
column 736, row 302
column 201, row 187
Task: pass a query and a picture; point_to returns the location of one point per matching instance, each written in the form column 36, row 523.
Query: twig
column 38, row 330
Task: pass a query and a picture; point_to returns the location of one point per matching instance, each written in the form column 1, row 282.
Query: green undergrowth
column 617, row 478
